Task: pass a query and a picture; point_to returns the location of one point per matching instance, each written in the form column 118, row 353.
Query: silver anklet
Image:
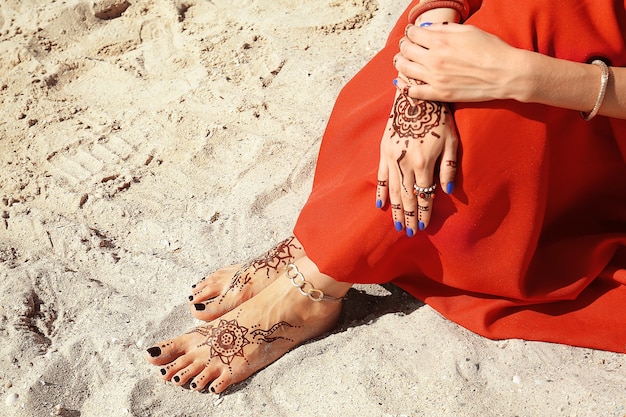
column 297, row 279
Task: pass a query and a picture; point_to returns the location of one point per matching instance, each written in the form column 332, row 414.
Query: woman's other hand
column 457, row 63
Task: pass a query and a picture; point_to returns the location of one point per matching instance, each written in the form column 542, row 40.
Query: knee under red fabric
column 532, row 242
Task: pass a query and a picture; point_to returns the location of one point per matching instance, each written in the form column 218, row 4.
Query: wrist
column 424, row 6
column 523, row 82
column 439, row 16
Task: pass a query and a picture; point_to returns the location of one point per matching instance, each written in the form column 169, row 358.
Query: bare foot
column 245, row 340
column 228, row 287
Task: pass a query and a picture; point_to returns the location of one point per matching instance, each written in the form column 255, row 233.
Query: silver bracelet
column 604, row 82
column 306, row 288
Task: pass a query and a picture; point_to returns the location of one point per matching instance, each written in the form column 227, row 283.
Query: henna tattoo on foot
column 228, row 339
column 272, row 261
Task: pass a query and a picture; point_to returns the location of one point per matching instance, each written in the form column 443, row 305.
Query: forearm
column 569, row 85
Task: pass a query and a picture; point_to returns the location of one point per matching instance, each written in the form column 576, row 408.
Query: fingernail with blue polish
column 395, row 82
column 379, row 204
column 398, row 226
column 421, row 225
column 450, row 187
column 425, row 24
column 409, row 232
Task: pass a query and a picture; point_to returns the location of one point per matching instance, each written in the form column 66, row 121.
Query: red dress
column 532, row 244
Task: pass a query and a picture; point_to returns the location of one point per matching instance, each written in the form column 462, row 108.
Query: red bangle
column 460, row 6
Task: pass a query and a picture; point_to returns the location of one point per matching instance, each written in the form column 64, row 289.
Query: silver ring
column 426, row 190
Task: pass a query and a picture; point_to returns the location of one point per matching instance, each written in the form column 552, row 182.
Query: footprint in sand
column 328, row 15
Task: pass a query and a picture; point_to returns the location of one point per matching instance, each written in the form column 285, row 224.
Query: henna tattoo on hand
column 402, row 155
column 451, row 163
column 396, row 206
column 415, row 120
column 409, row 213
column 423, row 208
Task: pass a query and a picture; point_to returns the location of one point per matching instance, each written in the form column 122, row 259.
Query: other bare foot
column 228, row 287
column 250, row 337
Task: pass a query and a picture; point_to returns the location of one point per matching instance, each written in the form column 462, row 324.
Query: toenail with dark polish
column 212, row 389
column 163, row 371
column 176, row 378
column 194, row 385
column 154, row 351
column 191, row 298
column 199, row 307
column 193, row 286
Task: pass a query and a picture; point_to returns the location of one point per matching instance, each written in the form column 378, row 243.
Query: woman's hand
column 418, row 134
column 458, row 63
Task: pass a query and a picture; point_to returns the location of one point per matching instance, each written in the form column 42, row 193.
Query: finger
column 425, row 33
column 409, row 205
column 382, row 193
column 408, row 29
column 409, row 49
column 395, row 199
column 447, row 171
column 425, row 196
column 411, row 68
column 417, row 90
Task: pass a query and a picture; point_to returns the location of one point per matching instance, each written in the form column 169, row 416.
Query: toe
column 207, row 310
column 225, row 379
column 203, row 379
column 184, row 375
column 206, row 293
column 172, row 369
column 168, row 350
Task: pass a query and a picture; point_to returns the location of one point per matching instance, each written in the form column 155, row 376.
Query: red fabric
column 532, row 244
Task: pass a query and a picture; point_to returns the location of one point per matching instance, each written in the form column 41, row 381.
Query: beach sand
column 146, row 143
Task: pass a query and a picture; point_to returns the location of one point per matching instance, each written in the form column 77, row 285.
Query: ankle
column 321, row 283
